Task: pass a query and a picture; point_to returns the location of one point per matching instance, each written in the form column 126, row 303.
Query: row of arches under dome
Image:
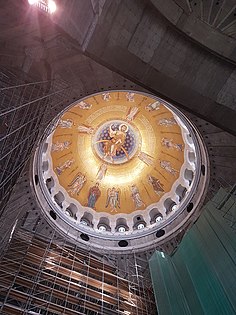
column 121, row 224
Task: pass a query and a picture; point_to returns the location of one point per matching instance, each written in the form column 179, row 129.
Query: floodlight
column 52, row 6
column 31, row 2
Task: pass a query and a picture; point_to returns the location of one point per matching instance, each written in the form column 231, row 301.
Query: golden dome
column 117, row 152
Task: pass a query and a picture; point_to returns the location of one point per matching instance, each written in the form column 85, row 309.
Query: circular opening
column 138, row 218
column 170, row 206
column 102, row 228
column 45, row 147
column 84, row 237
column 53, row 215
column 84, row 222
column 160, row 233
column 174, row 207
column 36, row 179
column 45, row 166
column 68, row 213
column 203, row 169
column 49, row 184
column 123, row 243
column 191, row 156
column 140, row 226
column 159, row 218
column 189, row 207
column 121, row 229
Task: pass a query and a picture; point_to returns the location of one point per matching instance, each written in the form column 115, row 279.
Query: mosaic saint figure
column 146, row 158
column 166, row 165
column 116, row 142
column 153, row 106
column 85, row 129
column 156, row 185
column 130, row 96
column 60, row 146
column 106, row 96
column 68, row 123
column 77, row 184
column 136, row 197
column 113, row 199
column 84, row 105
column 132, row 113
column 94, row 194
column 101, row 172
column 169, row 144
column 67, row 164
column 167, row 122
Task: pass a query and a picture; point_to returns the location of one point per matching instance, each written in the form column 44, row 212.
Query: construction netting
column 200, row 277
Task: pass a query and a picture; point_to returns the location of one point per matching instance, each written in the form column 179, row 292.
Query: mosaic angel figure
column 167, row 122
column 106, row 96
column 166, row 165
column 68, row 123
column 130, row 96
column 83, row 105
column 132, row 113
column 136, row 197
column 85, row 129
column 77, row 184
column 113, row 199
column 60, row 146
column 157, row 186
column 94, row 194
column 67, row 164
column 153, row 106
column 101, row 172
column 169, row 144
column 146, row 158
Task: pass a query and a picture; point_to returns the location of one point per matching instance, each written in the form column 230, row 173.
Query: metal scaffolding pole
column 25, row 110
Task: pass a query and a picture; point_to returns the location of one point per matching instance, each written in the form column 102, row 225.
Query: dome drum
column 121, row 163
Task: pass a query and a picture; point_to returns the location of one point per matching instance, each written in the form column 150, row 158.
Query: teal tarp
column 200, row 278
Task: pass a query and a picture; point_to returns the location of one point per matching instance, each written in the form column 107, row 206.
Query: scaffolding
column 26, row 107
column 52, row 276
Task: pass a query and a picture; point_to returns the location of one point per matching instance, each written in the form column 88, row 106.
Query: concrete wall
column 134, row 39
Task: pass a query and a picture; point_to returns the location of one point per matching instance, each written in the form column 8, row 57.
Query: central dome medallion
column 116, row 141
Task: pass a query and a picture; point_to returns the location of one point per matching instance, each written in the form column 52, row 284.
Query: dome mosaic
column 119, row 162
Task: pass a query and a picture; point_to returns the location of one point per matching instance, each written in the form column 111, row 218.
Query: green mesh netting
column 200, row 278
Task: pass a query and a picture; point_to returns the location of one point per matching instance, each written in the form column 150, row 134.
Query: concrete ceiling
column 96, row 45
